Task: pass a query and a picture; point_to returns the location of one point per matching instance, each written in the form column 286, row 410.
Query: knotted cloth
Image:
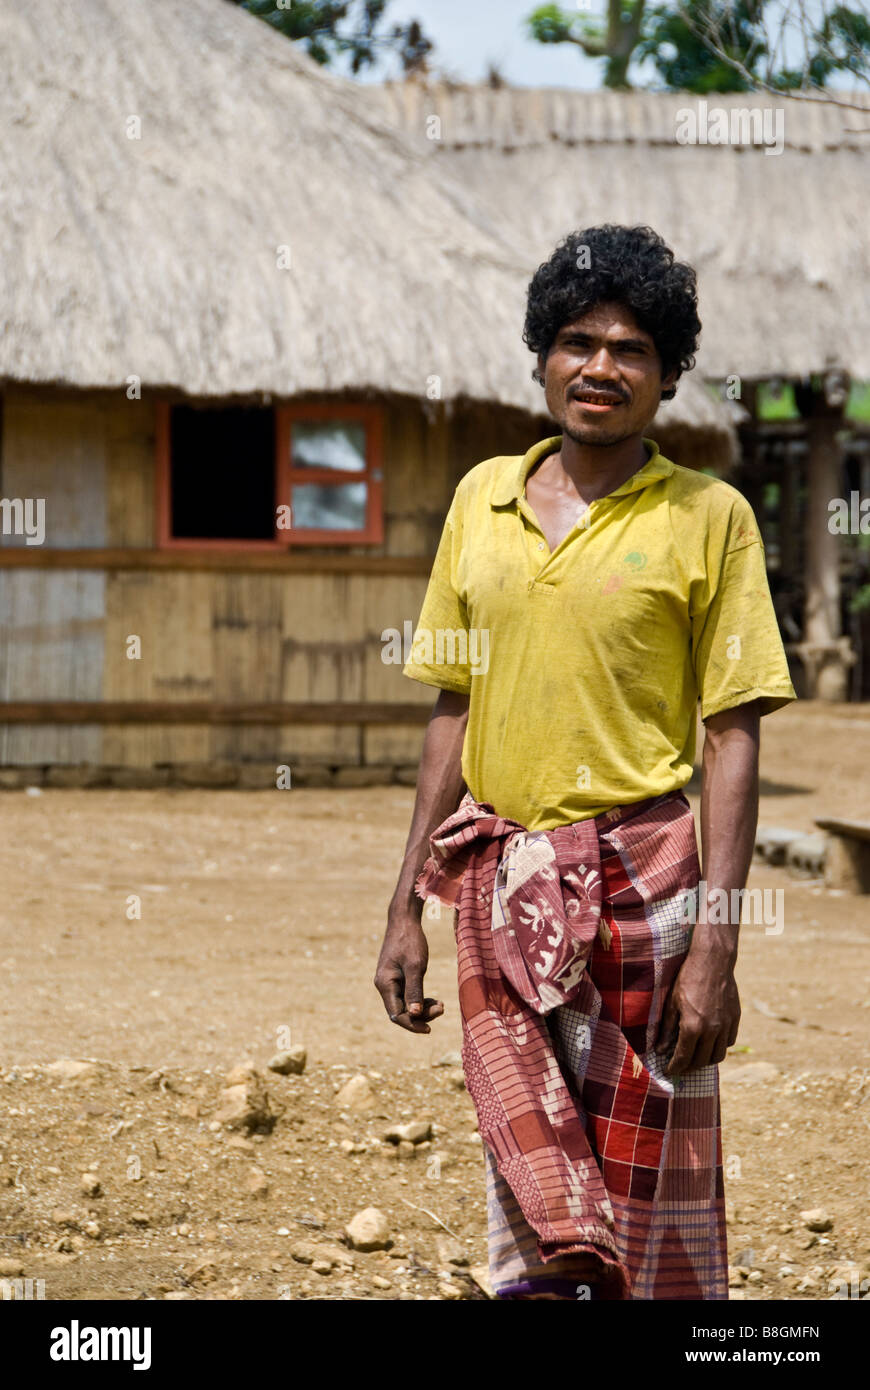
column 567, row 943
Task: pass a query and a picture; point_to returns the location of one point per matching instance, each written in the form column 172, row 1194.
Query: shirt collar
column 511, row 481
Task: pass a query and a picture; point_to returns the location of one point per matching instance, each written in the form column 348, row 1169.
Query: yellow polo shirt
column 585, row 664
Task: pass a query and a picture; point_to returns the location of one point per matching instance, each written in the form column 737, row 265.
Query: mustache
column 598, row 390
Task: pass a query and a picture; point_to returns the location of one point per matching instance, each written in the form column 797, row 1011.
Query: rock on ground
column 368, row 1230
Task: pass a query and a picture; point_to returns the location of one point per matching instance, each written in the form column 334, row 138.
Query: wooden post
column 827, row 654
column 789, row 550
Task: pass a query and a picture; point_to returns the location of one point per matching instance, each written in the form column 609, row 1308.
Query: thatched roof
column 158, row 256
column 779, row 241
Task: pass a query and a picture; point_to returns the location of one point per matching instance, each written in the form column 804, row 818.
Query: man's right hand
column 399, row 975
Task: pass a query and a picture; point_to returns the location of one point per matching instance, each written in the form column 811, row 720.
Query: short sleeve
column 737, row 649
column 439, row 650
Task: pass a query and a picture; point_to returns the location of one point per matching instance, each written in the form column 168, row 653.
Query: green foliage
column 551, row 24
column 683, row 61
column 350, row 29
column 837, row 41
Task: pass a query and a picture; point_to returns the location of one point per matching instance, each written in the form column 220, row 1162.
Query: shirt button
column 540, row 545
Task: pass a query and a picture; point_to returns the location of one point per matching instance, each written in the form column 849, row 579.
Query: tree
column 720, row 45
column 352, row 29
column 786, row 49
column 684, row 62
column 614, row 41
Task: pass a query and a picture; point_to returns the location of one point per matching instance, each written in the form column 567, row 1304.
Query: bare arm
column 440, row 787
column 704, row 1006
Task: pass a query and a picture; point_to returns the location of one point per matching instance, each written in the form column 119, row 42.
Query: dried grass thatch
column 158, row 257
column 779, row 241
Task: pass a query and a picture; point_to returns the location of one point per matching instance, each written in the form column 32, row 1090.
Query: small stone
column 450, row 1251
column 806, row 1283
column 380, row 1282
column 153, row 1080
column 71, row 1069
column 786, row 1272
column 245, row 1106
column 256, row 1183
column 447, row 1289
column 312, row 1252
column 735, row 1277
column 407, row 1149
column 204, row 1271
column 417, row 1132
column 92, row 1229
column 238, row 1141
column 480, row 1275
column 185, row 1228
column 756, row 1277
column 355, row 1094
column 9, row 1268
column 140, row 1218
column 450, row 1059
column 289, row 1063
column 64, row 1218
column 817, row 1219
column 90, row 1185
column 322, row 1266
column 244, row 1071
column 368, row 1230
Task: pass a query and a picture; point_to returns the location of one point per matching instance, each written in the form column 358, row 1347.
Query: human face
column 603, row 376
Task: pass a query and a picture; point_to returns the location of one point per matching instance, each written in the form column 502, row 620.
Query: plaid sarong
column 568, row 941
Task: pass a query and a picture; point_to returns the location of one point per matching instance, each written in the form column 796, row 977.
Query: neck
column 596, row 469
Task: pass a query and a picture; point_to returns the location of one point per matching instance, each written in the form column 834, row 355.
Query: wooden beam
column 208, row 712
column 249, row 561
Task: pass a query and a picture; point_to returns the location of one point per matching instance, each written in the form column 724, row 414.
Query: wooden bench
column 847, row 864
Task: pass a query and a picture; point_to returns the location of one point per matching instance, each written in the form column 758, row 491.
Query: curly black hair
column 631, row 266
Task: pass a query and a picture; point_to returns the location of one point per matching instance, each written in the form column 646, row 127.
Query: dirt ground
column 261, row 919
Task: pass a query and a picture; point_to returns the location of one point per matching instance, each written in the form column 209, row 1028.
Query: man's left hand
column 702, row 1012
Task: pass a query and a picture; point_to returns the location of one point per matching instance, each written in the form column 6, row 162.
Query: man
column 614, row 590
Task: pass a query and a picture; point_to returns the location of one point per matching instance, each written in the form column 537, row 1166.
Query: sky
column 469, row 34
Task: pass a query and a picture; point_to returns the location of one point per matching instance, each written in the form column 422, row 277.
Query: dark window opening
column 222, row 474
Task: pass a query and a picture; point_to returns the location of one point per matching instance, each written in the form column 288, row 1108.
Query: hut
column 766, row 196
column 252, row 339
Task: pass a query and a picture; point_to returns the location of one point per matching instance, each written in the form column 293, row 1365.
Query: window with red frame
column 261, row 477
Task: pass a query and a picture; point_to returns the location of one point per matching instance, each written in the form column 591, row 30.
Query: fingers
column 668, row 1028
column 683, row 1054
column 412, row 1014
column 696, row 1050
column 432, row 1008
column 414, row 970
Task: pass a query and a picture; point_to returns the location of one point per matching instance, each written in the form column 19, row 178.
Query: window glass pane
column 328, row 445
column 329, row 506
column 222, row 473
